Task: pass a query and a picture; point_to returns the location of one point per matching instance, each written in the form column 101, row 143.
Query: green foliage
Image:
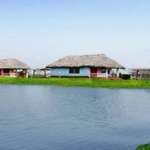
column 144, row 147
column 82, row 82
column 125, row 76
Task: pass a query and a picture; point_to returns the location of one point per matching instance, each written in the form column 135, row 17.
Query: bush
column 143, row 147
column 125, row 76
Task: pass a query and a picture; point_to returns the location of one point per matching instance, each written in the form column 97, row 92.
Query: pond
column 74, row 118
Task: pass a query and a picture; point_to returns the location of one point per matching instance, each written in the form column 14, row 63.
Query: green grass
column 144, row 147
column 82, row 82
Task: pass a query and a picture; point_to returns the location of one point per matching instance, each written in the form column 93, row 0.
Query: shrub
column 143, row 147
column 125, row 76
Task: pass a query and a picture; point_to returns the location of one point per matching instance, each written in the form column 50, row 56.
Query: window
column 6, row 71
column 74, row 70
column 103, row 70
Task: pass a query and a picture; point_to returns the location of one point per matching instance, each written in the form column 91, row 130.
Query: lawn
column 82, row 82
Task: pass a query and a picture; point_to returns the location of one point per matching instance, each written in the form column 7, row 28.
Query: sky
column 39, row 32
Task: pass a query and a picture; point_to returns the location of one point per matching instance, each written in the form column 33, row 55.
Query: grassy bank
column 144, row 147
column 78, row 82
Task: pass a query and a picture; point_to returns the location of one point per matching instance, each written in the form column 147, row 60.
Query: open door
column 94, row 72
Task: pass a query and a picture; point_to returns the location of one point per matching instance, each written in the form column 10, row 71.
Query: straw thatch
column 12, row 64
column 99, row 60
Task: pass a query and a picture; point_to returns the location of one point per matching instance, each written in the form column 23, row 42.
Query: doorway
column 94, row 72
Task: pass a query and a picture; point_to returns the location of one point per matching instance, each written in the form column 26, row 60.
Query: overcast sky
column 40, row 31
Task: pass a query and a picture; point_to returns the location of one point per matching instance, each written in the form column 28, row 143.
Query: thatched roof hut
column 141, row 73
column 99, row 60
column 142, row 70
column 12, row 64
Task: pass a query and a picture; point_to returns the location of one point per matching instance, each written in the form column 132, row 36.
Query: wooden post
column 137, row 74
column 34, row 72
column 45, row 75
column 27, row 75
column 106, row 73
column 117, row 72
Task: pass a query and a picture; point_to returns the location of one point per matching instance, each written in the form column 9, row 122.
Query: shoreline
column 78, row 82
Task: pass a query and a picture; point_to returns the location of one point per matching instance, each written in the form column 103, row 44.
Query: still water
column 58, row 118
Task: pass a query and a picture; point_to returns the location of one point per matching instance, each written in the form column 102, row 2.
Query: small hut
column 84, row 66
column 13, row 68
column 39, row 72
column 141, row 73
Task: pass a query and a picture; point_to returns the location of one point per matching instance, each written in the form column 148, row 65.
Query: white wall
column 65, row 72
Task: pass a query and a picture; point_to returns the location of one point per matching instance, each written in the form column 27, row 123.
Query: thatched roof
column 12, row 64
column 99, row 60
